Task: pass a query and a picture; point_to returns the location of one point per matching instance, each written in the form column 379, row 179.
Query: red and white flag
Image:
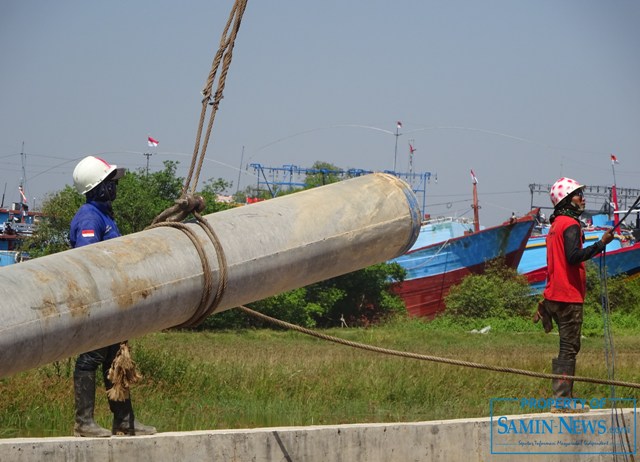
column 24, row 198
column 86, row 233
column 399, row 124
column 473, row 177
column 614, row 160
column 411, row 149
column 152, row 142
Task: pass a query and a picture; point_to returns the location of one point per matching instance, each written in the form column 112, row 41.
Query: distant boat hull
column 16, row 224
column 432, row 269
column 618, row 260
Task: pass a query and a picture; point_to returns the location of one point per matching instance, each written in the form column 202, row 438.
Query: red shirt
column 566, row 282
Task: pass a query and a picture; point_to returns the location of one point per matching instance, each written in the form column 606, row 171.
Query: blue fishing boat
column 447, row 250
column 622, row 255
column 16, row 223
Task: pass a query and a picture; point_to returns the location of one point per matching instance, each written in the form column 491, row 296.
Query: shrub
column 498, row 292
column 623, row 293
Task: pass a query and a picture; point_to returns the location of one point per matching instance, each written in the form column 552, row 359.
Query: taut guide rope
column 455, row 362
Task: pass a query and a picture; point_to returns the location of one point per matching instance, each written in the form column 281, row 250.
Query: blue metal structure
column 277, row 179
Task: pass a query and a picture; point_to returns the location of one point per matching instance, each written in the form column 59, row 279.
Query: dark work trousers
column 568, row 318
column 104, row 357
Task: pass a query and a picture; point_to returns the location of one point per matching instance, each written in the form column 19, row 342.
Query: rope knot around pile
column 181, row 209
column 172, row 217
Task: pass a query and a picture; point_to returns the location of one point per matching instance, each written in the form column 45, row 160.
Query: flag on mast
column 153, row 143
column 411, row 149
column 399, row 124
column 473, row 177
column 614, row 204
column 614, row 160
column 24, row 198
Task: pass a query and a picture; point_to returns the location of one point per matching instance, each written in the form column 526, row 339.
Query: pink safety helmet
column 562, row 188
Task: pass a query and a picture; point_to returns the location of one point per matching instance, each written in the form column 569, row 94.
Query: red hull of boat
column 424, row 297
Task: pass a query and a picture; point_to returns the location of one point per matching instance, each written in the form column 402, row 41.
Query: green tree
column 141, row 196
column 326, row 174
column 52, row 234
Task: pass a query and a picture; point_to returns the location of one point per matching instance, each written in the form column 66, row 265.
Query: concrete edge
column 469, row 440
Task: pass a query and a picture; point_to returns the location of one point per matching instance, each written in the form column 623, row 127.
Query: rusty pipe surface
column 75, row 301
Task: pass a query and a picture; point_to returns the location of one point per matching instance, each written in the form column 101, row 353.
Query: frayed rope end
column 122, row 374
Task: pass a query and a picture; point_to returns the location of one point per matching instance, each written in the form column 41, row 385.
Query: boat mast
column 395, row 152
column 22, row 188
column 412, row 149
column 475, row 206
column 614, row 192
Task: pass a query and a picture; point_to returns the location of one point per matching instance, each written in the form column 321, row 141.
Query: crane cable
column 191, row 204
column 224, row 55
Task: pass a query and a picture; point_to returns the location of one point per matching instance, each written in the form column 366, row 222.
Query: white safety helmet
column 562, row 188
column 91, row 171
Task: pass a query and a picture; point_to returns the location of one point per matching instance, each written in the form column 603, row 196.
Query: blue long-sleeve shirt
column 92, row 224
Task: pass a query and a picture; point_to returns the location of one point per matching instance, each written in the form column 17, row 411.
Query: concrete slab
column 465, row 440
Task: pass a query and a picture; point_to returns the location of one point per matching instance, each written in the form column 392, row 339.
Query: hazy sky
column 519, row 91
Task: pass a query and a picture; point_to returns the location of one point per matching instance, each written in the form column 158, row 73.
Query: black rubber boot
column 84, row 385
column 563, row 388
column 124, row 422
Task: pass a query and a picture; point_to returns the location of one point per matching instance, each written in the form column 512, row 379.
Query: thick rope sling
column 123, row 372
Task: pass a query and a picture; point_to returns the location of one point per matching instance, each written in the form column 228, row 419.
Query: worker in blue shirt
column 98, row 180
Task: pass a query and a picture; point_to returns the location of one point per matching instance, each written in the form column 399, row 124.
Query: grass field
column 264, row 378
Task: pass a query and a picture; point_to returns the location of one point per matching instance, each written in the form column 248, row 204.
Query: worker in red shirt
column 566, row 277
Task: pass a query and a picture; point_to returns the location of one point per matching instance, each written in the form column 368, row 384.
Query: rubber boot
column 84, row 385
column 563, row 388
column 124, row 422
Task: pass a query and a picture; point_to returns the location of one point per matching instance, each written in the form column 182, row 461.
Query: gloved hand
column 543, row 315
column 607, row 236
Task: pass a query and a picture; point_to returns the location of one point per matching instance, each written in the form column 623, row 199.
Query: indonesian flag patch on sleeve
column 88, row 233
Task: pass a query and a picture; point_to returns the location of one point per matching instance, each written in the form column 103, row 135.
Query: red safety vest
column 565, row 282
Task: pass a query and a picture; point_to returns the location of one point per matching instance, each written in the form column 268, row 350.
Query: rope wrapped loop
column 172, row 217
